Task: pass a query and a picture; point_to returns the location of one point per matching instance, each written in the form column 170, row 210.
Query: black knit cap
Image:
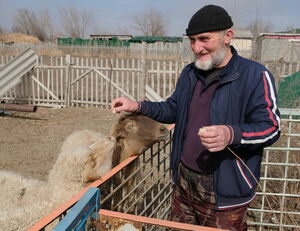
column 207, row 19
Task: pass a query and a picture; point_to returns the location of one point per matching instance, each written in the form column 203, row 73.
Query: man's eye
column 204, row 39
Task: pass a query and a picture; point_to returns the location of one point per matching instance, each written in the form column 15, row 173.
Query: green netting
column 90, row 42
column 152, row 39
column 115, row 42
column 289, row 91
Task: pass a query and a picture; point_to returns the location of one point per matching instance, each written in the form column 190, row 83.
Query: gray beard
column 215, row 60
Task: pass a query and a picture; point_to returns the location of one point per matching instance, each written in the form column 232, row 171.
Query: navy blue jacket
column 246, row 99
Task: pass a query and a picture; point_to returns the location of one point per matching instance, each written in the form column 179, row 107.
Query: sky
column 116, row 16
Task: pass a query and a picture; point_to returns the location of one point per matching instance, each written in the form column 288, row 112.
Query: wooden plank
column 81, row 76
column 32, row 89
column 77, row 85
column 170, row 78
column 96, row 83
column 117, row 79
column 86, row 84
column 127, row 79
column 158, row 78
column 164, row 79
column 62, row 80
column 43, row 87
column 133, row 80
column 48, row 83
column 101, row 84
column 110, row 89
column 113, row 84
column 122, row 76
column 92, row 82
column 152, row 95
column 81, row 84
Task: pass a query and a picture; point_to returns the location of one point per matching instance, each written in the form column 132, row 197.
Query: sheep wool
column 25, row 201
column 81, row 138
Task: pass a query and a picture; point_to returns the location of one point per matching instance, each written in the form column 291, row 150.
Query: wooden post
column 142, row 77
column 291, row 48
column 181, row 49
column 68, row 80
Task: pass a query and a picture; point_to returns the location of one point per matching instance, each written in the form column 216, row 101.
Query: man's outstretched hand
column 124, row 104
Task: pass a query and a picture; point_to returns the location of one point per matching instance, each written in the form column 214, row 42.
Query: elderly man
column 233, row 100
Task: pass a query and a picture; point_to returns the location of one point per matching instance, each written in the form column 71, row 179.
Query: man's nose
column 197, row 47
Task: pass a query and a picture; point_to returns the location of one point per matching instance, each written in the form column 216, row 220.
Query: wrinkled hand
column 215, row 138
column 124, row 104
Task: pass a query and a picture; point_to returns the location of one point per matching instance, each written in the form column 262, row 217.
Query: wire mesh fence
column 277, row 204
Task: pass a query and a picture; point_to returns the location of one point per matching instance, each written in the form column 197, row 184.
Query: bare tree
column 259, row 26
column 150, row 23
column 74, row 23
column 29, row 23
column 123, row 30
column 22, row 22
column 290, row 29
column 1, row 30
column 237, row 13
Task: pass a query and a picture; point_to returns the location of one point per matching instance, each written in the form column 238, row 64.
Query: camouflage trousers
column 193, row 202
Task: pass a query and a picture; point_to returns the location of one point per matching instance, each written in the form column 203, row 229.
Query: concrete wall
column 274, row 49
column 243, row 46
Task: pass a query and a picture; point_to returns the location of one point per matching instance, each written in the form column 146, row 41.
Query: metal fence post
column 68, row 80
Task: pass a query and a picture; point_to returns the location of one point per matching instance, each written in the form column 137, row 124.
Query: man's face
column 209, row 49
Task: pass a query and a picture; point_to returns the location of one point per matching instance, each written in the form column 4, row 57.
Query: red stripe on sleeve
column 271, row 115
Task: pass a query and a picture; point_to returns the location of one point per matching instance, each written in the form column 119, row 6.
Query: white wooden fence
column 78, row 81
column 75, row 81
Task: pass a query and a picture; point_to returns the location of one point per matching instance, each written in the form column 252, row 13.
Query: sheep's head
column 99, row 161
column 137, row 132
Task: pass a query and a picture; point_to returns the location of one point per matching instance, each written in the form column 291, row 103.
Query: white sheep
column 16, row 190
column 21, row 218
column 30, row 199
column 83, row 137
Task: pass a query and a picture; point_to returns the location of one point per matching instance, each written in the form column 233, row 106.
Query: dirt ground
column 30, row 141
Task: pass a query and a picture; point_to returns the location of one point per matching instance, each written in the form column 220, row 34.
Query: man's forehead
column 204, row 34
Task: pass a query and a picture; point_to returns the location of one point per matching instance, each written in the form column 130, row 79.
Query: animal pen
column 94, row 82
column 276, row 206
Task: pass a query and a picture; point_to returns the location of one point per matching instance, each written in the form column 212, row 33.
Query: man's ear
column 228, row 36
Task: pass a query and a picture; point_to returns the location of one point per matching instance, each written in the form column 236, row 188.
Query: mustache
column 202, row 53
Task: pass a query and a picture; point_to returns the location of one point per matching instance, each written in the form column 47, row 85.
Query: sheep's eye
column 130, row 126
